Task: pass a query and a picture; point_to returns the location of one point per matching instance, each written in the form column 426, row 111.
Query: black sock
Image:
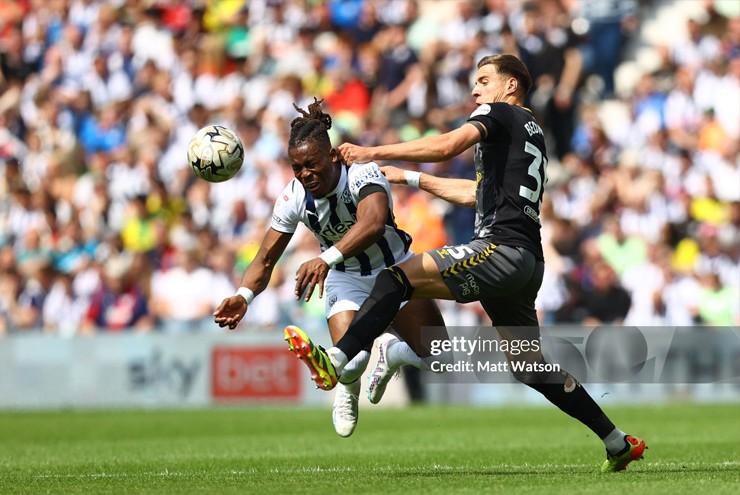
column 568, row 394
column 377, row 312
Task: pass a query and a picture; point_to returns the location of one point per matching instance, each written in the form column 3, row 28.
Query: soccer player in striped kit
column 504, row 260
column 350, row 212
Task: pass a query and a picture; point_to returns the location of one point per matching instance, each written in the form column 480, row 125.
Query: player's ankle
column 614, row 441
column 338, row 359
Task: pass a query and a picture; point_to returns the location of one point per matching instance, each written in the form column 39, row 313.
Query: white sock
column 399, row 354
column 614, row 441
column 337, row 358
column 355, row 368
column 353, row 388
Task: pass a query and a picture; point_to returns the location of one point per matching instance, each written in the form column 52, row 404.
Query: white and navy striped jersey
column 330, row 217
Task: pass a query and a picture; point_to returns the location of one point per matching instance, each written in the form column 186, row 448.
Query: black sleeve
column 493, row 117
column 370, row 189
column 481, row 128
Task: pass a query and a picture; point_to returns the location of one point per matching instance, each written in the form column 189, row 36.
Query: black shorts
column 504, row 279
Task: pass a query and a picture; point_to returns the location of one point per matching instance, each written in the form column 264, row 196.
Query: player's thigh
column 481, row 270
column 418, row 323
column 469, row 270
column 424, row 276
column 344, row 294
column 339, row 323
column 516, row 309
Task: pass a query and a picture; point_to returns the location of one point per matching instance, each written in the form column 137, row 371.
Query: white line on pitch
column 348, row 469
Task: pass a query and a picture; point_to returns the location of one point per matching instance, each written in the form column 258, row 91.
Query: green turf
column 693, row 449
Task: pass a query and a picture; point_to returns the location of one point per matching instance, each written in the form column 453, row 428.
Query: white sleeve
column 285, row 216
column 363, row 174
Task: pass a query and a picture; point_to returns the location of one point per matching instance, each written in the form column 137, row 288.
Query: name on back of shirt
column 532, row 128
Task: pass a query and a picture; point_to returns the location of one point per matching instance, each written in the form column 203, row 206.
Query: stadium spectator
column 550, row 49
column 420, row 219
column 697, row 48
column 118, row 304
column 674, row 302
column 620, row 251
column 604, row 300
column 63, row 310
column 606, row 25
column 183, row 294
column 717, row 303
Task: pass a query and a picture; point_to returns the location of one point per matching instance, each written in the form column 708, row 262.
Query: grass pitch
column 693, row 449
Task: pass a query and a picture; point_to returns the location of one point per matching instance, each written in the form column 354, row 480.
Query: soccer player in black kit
column 502, row 266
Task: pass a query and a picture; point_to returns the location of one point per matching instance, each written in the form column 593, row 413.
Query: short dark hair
column 510, row 66
column 313, row 125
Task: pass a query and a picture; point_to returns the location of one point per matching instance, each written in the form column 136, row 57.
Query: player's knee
column 355, row 368
column 394, row 281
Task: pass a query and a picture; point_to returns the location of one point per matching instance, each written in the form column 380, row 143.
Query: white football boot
column 345, row 411
column 383, row 372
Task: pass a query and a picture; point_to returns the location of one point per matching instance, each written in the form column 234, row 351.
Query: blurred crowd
column 103, row 226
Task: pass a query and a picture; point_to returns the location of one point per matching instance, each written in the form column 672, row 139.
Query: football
column 216, row 153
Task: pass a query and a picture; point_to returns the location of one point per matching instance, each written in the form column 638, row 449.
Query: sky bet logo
column 335, row 232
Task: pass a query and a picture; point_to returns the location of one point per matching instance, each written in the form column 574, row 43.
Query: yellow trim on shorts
column 470, row 262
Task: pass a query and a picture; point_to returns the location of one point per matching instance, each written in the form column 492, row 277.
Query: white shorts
column 347, row 291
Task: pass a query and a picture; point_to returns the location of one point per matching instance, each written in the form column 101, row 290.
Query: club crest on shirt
column 346, row 196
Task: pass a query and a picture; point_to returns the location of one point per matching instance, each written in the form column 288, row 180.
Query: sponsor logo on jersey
column 337, row 231
column 481, row 110
column 365, row 175
column 469, row 286
column 531, row 213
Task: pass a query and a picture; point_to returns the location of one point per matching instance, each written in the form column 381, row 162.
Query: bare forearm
column 359, row 238
column 428, row 149
column 460, row 192
column 257, row 276
column 258, row 273
column 572, row 70
column 370, row 226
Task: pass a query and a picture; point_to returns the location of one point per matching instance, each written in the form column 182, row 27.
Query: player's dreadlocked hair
column 312, row 125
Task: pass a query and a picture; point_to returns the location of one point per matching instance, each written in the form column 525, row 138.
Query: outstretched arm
column 255, row 278
column 372, row 211
column 427, row 149
column 460, row 192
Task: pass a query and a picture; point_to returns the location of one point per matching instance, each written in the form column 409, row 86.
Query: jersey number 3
column 537, row 169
